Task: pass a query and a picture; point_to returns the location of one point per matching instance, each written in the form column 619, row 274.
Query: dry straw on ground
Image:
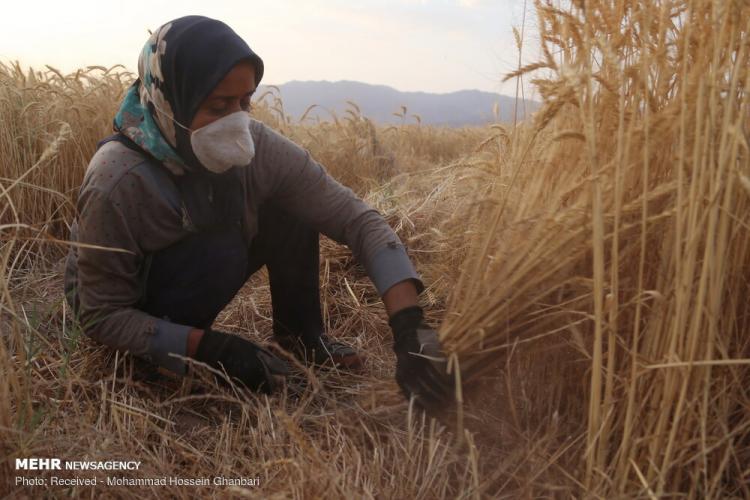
column 590, row 270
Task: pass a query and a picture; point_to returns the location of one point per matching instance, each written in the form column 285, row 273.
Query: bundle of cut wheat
column 605, row 303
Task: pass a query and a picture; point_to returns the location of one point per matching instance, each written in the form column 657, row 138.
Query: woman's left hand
column 420, row 361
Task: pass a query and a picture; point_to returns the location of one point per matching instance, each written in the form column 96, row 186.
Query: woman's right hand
column 242, row 360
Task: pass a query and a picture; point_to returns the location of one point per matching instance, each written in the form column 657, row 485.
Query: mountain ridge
column 379, row 102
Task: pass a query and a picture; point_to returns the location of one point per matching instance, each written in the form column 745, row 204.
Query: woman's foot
column 324, row 352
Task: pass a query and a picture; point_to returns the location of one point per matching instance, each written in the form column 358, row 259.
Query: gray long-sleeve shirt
column 129, row 202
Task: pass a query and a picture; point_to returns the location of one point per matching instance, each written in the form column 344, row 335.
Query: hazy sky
column 430, row 45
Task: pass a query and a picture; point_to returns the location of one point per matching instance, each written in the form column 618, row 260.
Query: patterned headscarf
column 179, row 66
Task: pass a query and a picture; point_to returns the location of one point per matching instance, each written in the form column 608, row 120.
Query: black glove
column 425, row 378
column 243, row 360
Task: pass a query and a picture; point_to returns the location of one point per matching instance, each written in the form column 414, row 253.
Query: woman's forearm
column 194, row 338
column 401, row 295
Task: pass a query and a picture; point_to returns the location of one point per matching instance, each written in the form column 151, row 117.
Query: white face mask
column 224, row 143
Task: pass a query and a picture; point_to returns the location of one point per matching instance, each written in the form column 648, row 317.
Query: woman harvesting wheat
column 198, row 196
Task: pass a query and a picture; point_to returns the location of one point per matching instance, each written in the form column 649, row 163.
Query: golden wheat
column 616, row 282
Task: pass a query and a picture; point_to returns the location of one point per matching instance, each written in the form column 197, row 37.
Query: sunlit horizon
column 410, row 45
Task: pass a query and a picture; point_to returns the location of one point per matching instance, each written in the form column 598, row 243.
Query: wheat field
column 588, row 269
